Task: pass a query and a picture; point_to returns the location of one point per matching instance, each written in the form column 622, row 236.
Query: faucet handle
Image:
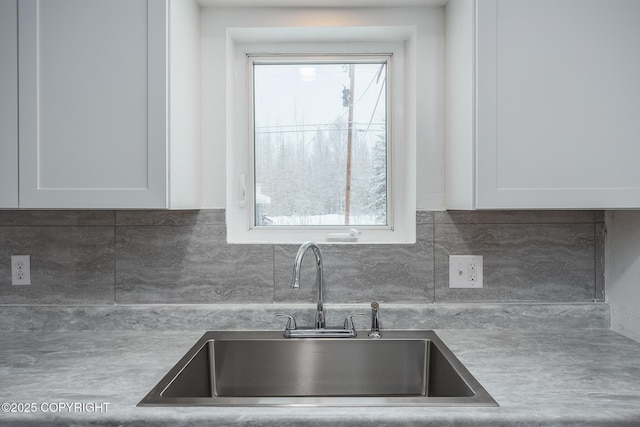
column 291, row 322
column 348, row 321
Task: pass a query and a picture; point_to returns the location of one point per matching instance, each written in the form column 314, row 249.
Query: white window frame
column 337, row 231
column 401, row 191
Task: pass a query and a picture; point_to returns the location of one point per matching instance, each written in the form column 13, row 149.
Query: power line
column 364, row 128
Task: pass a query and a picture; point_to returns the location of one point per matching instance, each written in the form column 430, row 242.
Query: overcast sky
column 314, row 94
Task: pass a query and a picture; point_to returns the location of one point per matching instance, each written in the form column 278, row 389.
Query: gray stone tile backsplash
column 69, row 264
column 530, row 262
column 57, row 217
column 181, row 257
column 189, row 264
column 385, row 273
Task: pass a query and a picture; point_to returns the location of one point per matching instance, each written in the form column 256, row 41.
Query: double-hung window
column 324, row 148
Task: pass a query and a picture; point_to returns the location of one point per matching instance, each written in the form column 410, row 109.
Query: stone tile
column 600, row 237
column 515, row 217
column 362, row 273
column 182, row 257
column 424, row 217
column 505, row 316
column 55, row 217
column 163, row 217
column 188, row 264
column 69, row 265
column 541, row 262
column 599, row 216
column 496, row 316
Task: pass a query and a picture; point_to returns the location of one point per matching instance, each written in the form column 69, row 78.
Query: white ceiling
column 321, row 3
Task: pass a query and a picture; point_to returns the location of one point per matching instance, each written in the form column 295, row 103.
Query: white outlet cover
column 20, row 269
column 459, row 271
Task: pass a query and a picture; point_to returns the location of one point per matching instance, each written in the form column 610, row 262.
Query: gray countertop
column 573, row 377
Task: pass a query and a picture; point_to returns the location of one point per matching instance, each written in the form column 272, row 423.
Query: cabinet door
column 8, row 104
column 92, row 95
column 558, row 104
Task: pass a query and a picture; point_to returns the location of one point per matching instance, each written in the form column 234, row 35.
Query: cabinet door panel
column 92, row 103
column 8, row 104
column 564, row 94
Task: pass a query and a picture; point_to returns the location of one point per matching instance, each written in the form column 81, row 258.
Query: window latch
column 243, row 187
column 348, row 236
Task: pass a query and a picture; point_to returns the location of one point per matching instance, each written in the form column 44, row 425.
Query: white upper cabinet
column 543, row 104
column 8, row 104
column 108, row 115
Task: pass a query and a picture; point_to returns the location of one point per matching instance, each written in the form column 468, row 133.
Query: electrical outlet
column 472, row 274
column 465, row 271
column 20, row 269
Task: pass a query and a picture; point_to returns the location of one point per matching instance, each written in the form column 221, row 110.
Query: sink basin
column 261, row 368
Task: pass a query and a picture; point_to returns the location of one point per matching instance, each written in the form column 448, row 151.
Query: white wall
column 429, row 22
column 622, row 271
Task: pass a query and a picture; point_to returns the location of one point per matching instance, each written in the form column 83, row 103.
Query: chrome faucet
column 295, row 281
column 319, row 330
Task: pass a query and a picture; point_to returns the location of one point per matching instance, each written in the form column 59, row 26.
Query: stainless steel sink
column 258, row 368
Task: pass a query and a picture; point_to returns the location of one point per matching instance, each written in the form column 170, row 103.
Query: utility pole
column 347, row 202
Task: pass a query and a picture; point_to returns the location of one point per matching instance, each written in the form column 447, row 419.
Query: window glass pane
column 320, row 143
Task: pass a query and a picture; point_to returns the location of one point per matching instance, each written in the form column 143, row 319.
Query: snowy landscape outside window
column 320, row 142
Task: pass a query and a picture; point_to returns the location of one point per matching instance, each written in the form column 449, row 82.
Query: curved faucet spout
column 295, row 281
